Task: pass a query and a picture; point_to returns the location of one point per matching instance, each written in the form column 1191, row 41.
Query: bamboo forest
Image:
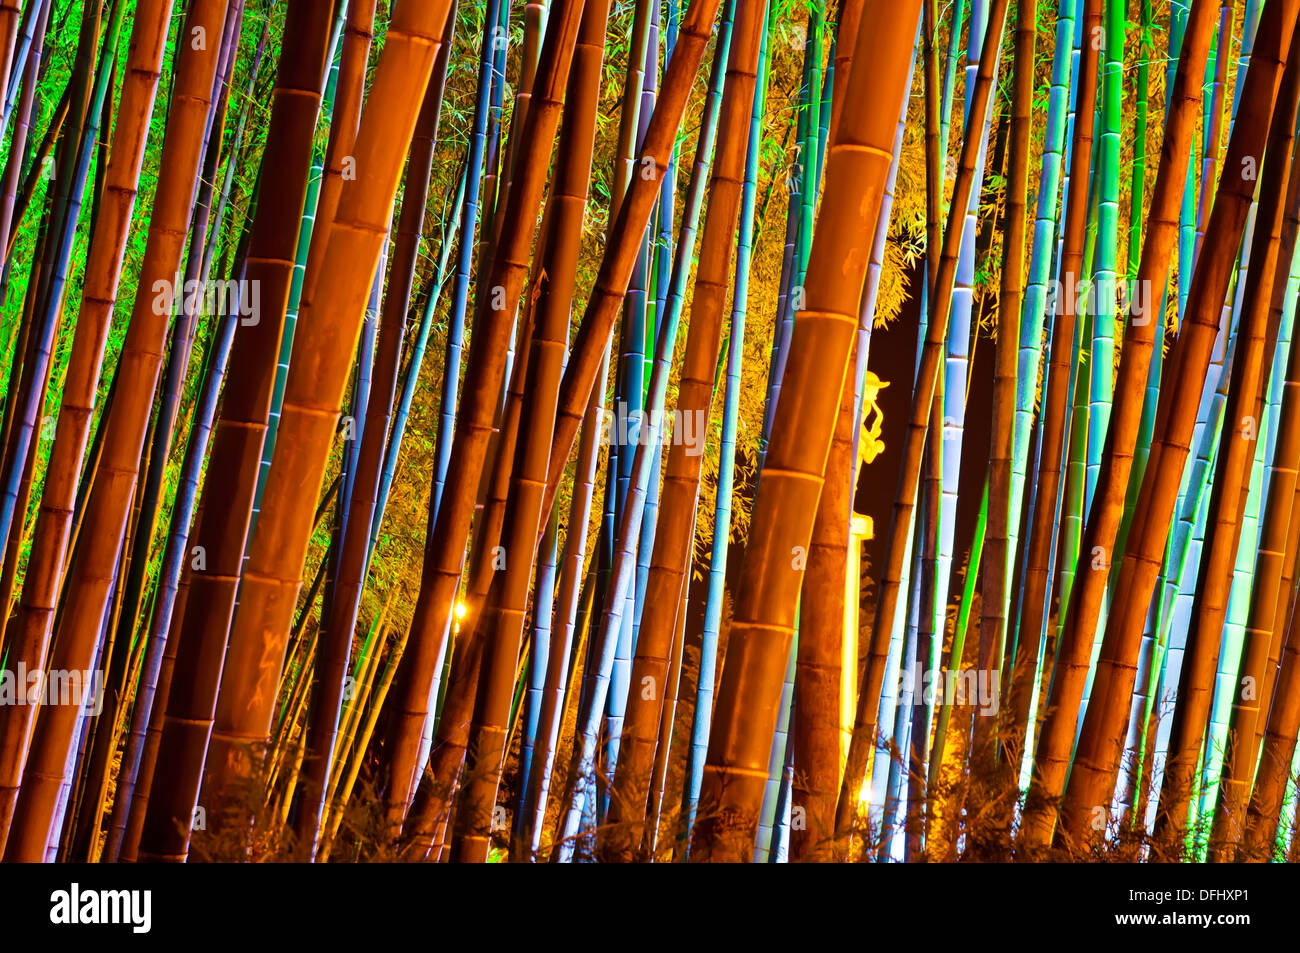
column 570, row 431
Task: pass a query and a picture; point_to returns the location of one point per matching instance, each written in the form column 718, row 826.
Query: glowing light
column 460, row 611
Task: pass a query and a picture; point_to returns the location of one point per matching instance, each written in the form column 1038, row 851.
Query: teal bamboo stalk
column 809, row 149
column 638, row 102
column 308, row 223
column 1032, row 320
column 165, row 602
column 957, row 359
column 1105, row 262
column 451, row 219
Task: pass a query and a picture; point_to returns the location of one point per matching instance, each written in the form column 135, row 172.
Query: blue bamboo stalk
column 632, row 402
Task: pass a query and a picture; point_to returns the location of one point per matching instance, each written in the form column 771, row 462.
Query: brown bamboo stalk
column 29, row 641
column 816, row 738
column 429, row 809
column 675, row 530
column 489, row 728
column 533, row 419
column 1255, row 673
column 444, row 553
column 863, row 741
column 476, row 441
column 92, row 570
column 1277, row 46
column 349, row 579
column 222, row 524
column 625, row 242
column 1265, row 808
column 324, row 345
column 857, row 165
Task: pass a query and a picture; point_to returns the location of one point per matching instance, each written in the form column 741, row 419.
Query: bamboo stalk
column 1237, row 442
column 222, row 525
column 864, row 729
column 93, row 566
column 323, row 348
column 857, row 163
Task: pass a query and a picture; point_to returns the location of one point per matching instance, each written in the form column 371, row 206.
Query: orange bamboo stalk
column 29, row 640
column 220, row 529
column 857, row 165
column 561, row 245
column 349, row 575
column 444, row 552
column 817, row 713
column 1255, row 673
column 1274, row 770
column 350, row 90
column 587, row 354
column 675, row 531
column 92, row 570
column 863, row 741
column 429, row 808
column 498, row 300
column 1260, row 99
column 323, row 351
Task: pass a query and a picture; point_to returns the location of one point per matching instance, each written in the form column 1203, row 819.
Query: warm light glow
column 460, row 611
